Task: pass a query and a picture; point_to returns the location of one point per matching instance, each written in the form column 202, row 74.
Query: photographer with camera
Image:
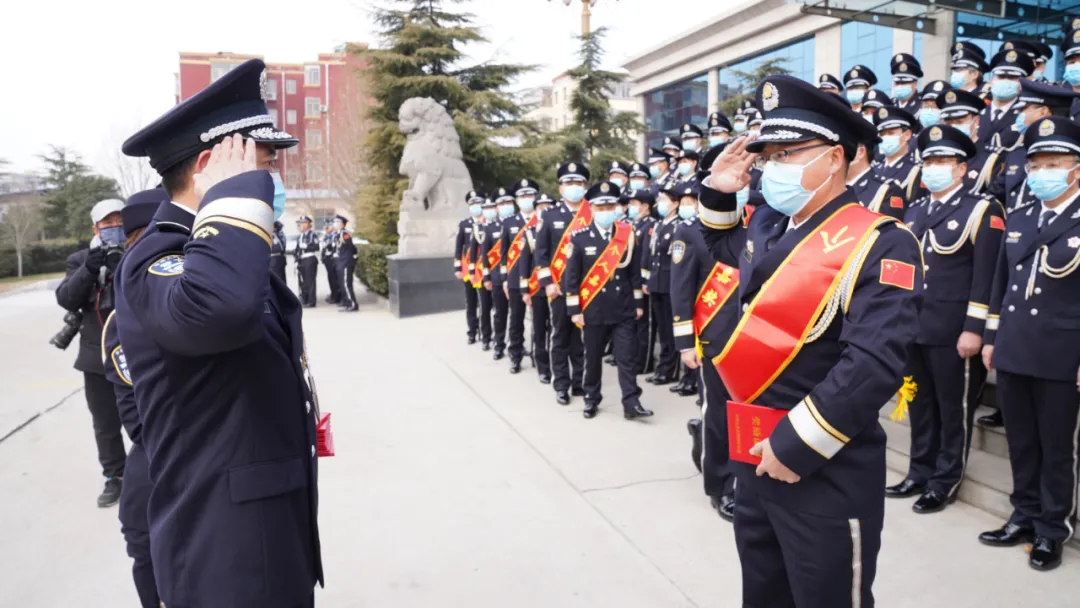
column 87, row 294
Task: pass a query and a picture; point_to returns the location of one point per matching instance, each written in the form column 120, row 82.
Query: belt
column 309, row 254
column 275, row 255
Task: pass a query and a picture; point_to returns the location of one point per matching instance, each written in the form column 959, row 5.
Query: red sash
column 558, row 261
column 494, row 255
column 773, row 329
column 604, row 267
column 534, row 282
column 478, row 270
column 514, row 252
column 721, row 283
column 465, row 264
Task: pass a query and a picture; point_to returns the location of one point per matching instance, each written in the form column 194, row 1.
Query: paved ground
column 456, row 485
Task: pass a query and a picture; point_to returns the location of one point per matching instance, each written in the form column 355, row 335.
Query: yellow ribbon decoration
column 904, row 396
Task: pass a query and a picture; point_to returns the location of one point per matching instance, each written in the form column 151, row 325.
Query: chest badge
column 168, row 266
column 558, row 224
column 1012, row 237
column 973, row 174
column 1074, row 242
column 952, row 225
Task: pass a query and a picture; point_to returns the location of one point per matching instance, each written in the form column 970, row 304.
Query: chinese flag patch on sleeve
column 896, row 202
column 897, row 274
column 997, row 223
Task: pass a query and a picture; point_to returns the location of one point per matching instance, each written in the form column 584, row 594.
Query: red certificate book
column 748, row 425
column 325, row 436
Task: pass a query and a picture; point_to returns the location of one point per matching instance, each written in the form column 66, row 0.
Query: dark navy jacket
column 988, row 129
column 1010, row 185
column 463, row 242
column 880, row 195
column 643, row 229
column 837, row 383
column 904, row 172
column 660, row 255
column 492, row 231
column 557, row 220
column 1034, row 322
column 227, row 403
column 960, row 245
column 620, row 297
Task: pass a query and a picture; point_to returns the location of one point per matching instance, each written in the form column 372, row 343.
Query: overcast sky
column 85, row 75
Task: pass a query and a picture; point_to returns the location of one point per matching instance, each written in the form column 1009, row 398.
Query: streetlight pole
column 586, row 14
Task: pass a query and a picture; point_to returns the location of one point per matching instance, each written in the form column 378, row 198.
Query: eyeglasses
column 1051, row 163
column 784, row 156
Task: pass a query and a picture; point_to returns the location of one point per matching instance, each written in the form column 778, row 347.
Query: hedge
column 39, row 257
column 372, row 268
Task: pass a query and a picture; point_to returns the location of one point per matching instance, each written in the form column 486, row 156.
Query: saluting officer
column 704, row 288
column 640, row 213
column 465, row 261
column 875, row 192
column 306, row 257
column 808, row 519
column 857, row 82
column 1006, row 69
column 215, row 344
column 494, row 260
column 961, row 111
column 329, row 257
column 968, row 67
column 906, row 73
column 515, row 247
column 345, row 263
column 603, row 298
column 897, row 129
column 658, row 286
column 277, row 251
column 960, row 233
column 482, row 277
column 719, row 130
column 830, row 84
column 571, row 213
column 1034, row 315
column 534, row 297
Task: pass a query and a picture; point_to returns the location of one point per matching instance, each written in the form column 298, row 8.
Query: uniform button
column 1019, row 266
column 1015, row 287
column 307, row 404
column 1038, row 290
column 312, row 451
column 925, row 286
column 745, row 306
column 1011, row 308
column 1034, row 312
column 926, row 269
column 604, row 290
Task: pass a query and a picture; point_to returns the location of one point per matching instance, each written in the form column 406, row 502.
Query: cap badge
column 959, row 46
column 572, row 167
column 883, row 113
column 854, row 73
column 1076, row 36
column 1007, row 46
column 614, row 164
column 1076, row 23
column 604, row 188
column 935, row 134
column 950, row 97
column 1046, row 128
column 524, row 183
column 686, row 127
column 1010, row 57
column 899, row 58
column 264, row 92
column 903, row 67
column 770, row 97
column 502, row 191
column 939, row 85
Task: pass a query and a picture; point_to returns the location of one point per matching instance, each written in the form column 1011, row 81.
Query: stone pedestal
column 428, row 233
column 424, row 285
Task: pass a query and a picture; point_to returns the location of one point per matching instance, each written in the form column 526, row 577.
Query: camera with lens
column 72, row 323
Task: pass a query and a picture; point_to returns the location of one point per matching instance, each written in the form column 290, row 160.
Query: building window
column 290, row 117
column 313, row 138
column 273, row 115
column 555, row 97
column 217, row 70
column 270, row 92
column 796, row 59
column 313, row 170
column 868, row 45
column 311, row 107
column 311, row 75
column 669, row 108
column 293, row 151
column 290, row 86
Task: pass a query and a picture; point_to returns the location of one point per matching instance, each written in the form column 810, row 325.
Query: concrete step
column 991, row 441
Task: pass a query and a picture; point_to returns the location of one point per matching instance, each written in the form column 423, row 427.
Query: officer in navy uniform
column 504, row 203
column 753, row 118
column 874, row 191
column 671, row 145
column 658, row 285
column 686, row 172
column 897, row 129
column 329, row 257
column 567, row 350
column 613, row 310
column 1006, row 69
column 831, row 84
column 619, row 174
column 233, row 512
column 961, row 110
column 968, row 67
column 930, row 111
column 873, row 100
column 640, row 213
column 345, row 263
column 718, row 234
column 1031, row 339
column 1071, row 75
column 960, row 233
column 661, row 169
column 857, row 82
column 277, row 251
column 739, row 122
column 538, row 302
column 484, row 236
column 307, row 260
column 135, row 494
column 719, row 130
column 691, row 137
column 906, row 73
column 808, row 519
column 688, row 203
column 516, row 277
column 468, row 228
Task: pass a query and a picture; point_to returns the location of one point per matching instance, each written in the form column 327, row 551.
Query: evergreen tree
column 597, row 135
column 73, row 191
column 748, row 82
column 422, row 55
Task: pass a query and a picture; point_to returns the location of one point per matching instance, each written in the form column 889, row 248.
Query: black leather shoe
column 330, row 300
column 545, row 379
column 993, row 421
column 472, row 339
column 498, row 354
column 348, row 309
column 515, row 367
column 636, row 412
column 905, row 489
column 932, row 502
column 675, row 388
column 662, row 380
column 590, row 411
column 724, row 507
column 651, row 379
column 700, row 402
column 610, row 360
column 687, row 391
column 486, row 346
column 693, row 426
column 111, row 494
column 1045, row 554
column 562, row 398
column 1008, row 535
column 577, row 391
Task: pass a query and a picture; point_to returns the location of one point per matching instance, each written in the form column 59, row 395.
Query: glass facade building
column 797, row 58
column 869, row 45
column 669, row 108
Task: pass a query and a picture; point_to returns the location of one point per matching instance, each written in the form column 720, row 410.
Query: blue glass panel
column 916, row 49
column 869, row 45
column 669, row 108
column 797, row 58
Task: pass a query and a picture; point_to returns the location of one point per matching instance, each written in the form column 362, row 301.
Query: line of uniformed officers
column 336, row 250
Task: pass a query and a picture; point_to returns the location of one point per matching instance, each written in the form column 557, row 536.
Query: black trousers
column 345, row 285
column 135, row 526
column 485, row 314
column 333, row 276
column 1041, row 421
column 669, row 355
column 277, row 265
column 622, row 337
column 499, row 305
column 541, row 328
column 645, row 334
column 567, row 349
column 471, row 303
column 792, row 559
column 309, row 270
column 108, row 432
column 516, row 327
column 714, row 456
column 942, row 414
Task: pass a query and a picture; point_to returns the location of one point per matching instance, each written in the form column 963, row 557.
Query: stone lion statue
column 438, row 178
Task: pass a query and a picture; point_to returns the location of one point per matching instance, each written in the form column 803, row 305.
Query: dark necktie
column 934, row 205
column 1046, row 219
column 995, row 115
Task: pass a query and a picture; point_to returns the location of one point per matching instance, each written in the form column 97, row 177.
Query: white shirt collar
column 1005, row 108
column 185, row 208
column 859, row 176
column 944, row 197
column 1060, row 208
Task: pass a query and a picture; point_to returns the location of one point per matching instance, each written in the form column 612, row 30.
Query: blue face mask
column 688, row 212
column 526, row 204
column 903, row 91
column 964, row 128
column 740, row 127
column 1072, row 74
column 113, row 235
column 654, row 171
column 663, row 208
column 740, row 200
column 506, row 211
column 1048, row 184
column 638, row 184
column 604, row 219
column 490, row 213
column 937, row 178
column 574, row 194
column 620, row 212
column 690, row 144
column 685, row 169
column 854, row 97
column 929, row 117
column 716, row 141
column 618, row 181
column 279, row 196
column 957, row 80
column 475, row 210
column 890, row 144
column 1021, row 125
column 1005, row 89
column 635, row 212
column 781, row 184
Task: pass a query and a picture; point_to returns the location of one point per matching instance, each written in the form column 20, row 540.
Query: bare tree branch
column 132, row 174
column 21, row 222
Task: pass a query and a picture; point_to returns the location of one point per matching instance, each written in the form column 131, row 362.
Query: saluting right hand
column 730, row 171
column 228, row 159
